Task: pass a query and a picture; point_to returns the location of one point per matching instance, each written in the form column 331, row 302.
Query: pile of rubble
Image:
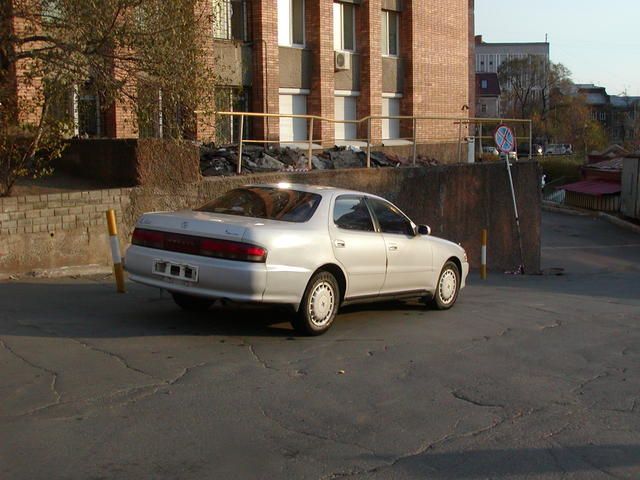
column 218, row 161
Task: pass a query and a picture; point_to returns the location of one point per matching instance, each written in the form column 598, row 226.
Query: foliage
column 138, row 53
column 541, row 90
column 562, row 167
column 571, row 121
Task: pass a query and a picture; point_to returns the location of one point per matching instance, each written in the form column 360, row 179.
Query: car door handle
column 340, row 244
column 393, row 248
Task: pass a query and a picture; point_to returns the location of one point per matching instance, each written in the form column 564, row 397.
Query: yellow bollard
column 118, row 270
column 483, row 256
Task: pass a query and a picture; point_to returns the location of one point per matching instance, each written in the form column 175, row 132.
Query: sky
column 599, row 41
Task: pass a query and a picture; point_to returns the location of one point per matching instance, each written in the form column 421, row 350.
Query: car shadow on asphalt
column 589, row 459
column 93, row 310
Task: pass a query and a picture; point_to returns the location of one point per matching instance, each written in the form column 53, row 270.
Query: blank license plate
column 186, row 273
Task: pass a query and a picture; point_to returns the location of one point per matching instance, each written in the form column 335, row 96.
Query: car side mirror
column 424, row 230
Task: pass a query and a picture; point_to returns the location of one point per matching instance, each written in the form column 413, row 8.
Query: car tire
column 191, row 303
column 319, row 305
column 447, row 288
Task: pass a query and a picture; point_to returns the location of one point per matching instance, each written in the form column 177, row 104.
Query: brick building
column 344, row 59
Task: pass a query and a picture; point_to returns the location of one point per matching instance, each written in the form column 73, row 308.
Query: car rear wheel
column 319, row 305
column 191, row 303
column 447, row 288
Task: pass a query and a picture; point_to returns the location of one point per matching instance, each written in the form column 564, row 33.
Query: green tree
column 118, row 50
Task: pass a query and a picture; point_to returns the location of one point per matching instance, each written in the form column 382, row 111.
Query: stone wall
column 457, row 201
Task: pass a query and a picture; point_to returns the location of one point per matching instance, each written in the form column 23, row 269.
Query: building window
column 230, row 99
column 86, row 112
column 484, row 84
column 230, row 20
column 293, row 129
column 291, row 23
column 483, row 108
column 344, row 27
column 390, row 126
column 346, row 109
column 390, row 28
column 603, row 116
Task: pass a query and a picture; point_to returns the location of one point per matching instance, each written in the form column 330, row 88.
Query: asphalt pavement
column 533, row 377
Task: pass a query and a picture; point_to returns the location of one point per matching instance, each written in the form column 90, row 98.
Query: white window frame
column 340, row 23
column 387, row 43
column 289, row 11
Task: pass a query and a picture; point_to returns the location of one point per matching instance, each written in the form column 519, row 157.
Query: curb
column 607, row 217
column 62, row 272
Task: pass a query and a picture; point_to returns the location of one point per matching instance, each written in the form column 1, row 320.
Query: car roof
column 319, row 189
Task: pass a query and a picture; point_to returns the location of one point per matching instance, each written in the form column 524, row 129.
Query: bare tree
column 134, row 52
column 529, row 85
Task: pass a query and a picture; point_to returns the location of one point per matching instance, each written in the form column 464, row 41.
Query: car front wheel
column 447, row 288
column 319, row 305
column 191, row 303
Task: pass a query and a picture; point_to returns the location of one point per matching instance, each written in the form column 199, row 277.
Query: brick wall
column 319, row 39
column 265, row 91
column 457, row 201
column 59, row 211
column 368, row 38
column 28, row 89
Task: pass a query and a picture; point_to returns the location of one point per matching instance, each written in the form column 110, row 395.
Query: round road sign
column 505, row 139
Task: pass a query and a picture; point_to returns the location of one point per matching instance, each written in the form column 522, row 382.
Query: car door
column 409, row 256
column 357, row 246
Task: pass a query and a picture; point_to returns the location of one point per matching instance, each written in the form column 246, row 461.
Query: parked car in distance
column 559, row 149
column 523, row 149
column 490, row 151
column 310, row 248
column 512, row 156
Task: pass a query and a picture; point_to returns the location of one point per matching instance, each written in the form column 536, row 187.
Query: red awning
column 594, row 187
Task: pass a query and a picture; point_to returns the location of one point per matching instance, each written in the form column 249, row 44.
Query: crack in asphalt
column 556, row 461
column 556, row 324
column 316, row 436
column 449, row 437
column 461, row 396
column 258, row 358
column 590, row 380
column 52, row 385
column 122, row 360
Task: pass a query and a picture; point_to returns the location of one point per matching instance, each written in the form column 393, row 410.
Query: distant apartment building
column 488, row 59
column 342, row 60
column 487, row 95
column 619, row 115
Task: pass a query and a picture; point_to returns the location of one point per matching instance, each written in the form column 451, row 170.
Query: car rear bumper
column 217, row 278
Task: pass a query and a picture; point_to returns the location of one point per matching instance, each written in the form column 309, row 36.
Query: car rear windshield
column 266, row 202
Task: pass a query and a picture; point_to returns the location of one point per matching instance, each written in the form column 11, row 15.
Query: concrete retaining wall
column 457, row 201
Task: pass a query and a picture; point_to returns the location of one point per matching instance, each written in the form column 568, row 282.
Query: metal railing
column 312, row 119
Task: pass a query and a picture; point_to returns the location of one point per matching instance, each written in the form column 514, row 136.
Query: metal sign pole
column 515, row 211
column 505, row 141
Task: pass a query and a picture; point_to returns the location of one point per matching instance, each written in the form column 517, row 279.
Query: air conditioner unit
column 343, row 61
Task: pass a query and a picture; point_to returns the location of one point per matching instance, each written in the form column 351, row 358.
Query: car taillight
column 232, row 250
column 147, row 238
column 175, row 242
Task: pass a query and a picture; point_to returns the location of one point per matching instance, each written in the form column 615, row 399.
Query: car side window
column 351, row 213
column 391, row 220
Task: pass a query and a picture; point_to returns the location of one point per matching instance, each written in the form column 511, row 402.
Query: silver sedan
column 309, row 247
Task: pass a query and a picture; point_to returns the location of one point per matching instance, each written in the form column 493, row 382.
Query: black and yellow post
column 118, row 269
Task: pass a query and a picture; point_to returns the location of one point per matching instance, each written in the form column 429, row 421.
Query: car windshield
column 266, row 202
